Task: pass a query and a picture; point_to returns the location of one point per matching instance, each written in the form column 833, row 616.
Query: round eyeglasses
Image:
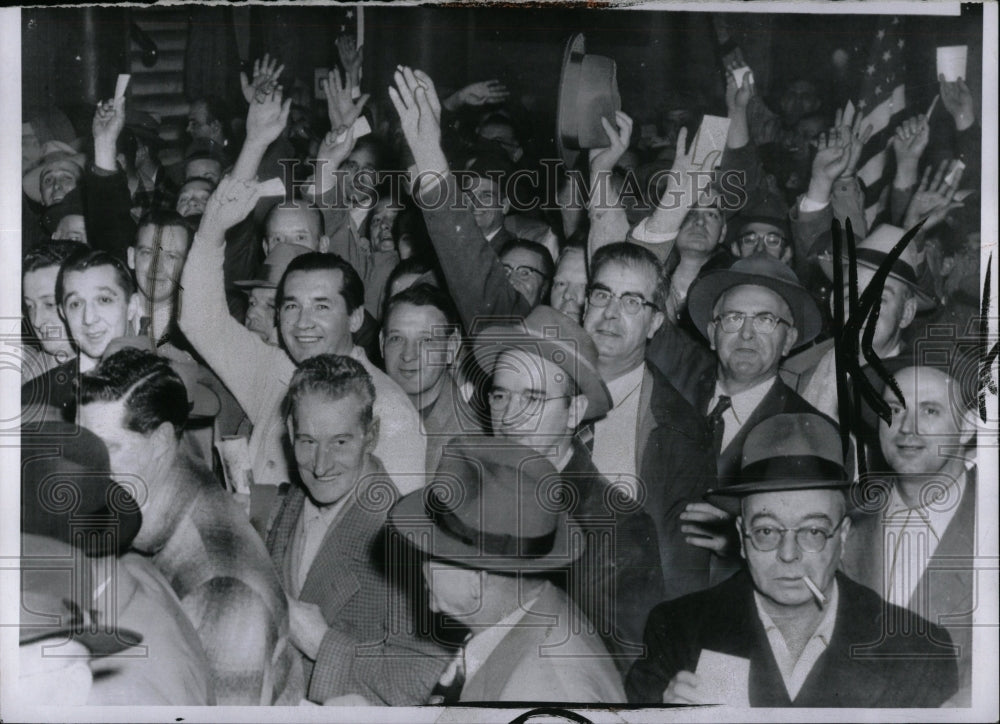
column 528, row 401
column 811, row 539
column 771, row 240
column 631, row 303
column 522, row 272
column 764, row 322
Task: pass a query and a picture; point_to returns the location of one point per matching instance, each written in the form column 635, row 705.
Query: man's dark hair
column 352, row 289
column 548, row 266
column 217, row 109
column 413, row 265
column 635, row 256
column 335, row 376
column 51, row 253
column 166, row 217
column 425, row 295
column 88, row 258
column 377, row 149
column 152, row 392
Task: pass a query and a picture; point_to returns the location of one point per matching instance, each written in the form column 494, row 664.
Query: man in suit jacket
column 915, row 541
column 351, row 618
column 808, row 635
column 490, row 543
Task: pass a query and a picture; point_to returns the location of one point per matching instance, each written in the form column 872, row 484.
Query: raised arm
column 608, row 222
column 908, row 144
column 476, row 279
column 107, row 201
column 266, row 119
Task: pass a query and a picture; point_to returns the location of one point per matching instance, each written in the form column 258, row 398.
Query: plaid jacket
column 365, row 592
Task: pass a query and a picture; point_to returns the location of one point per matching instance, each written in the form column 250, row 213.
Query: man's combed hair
column 87, row 258
column 352, row 289
column 334, row 376
column 425, row 295
column 152, row 391
column 51, row 253
column 167, row 217
column 634, row 256
column 548, row 266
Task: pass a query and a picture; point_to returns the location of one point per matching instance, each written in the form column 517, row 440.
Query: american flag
column 882, row 103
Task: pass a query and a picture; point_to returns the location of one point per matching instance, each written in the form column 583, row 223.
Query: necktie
column 448, row 689
column 716, row 424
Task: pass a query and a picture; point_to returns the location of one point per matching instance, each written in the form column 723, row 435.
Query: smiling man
column 39, row 270
column 157, row 258
column 807, row 634
column 350, row 617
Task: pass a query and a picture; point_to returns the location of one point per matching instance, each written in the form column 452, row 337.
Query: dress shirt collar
column 622, row 387
column 938, row 514
column 745, row 402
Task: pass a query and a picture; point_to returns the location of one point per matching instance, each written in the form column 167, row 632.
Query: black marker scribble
column 985, row 379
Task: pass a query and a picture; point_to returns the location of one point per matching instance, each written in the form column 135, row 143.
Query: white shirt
column 795, row 673
column 313, row 526
column 615, row 435
column 483, row 643
column 912, row 536
column 743, row 405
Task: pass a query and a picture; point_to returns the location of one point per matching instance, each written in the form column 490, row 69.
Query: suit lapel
column 772, row 404
column 645, row 422
column 330, row 582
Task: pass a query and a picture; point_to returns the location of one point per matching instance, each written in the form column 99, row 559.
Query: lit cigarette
column 820, row 598
column 933, row 103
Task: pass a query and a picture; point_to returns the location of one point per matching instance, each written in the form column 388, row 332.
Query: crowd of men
column 579, row 454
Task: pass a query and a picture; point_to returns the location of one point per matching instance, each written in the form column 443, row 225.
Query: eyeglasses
column 765, row 322
column 523, row 272
column 771, row 239
column 631, row 303
column 811, row 539
column 528, row 401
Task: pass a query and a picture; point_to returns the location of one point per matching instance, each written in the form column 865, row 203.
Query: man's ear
column 518, row 154
column 453, row 344
column 324, row 244
column 968, row 424
column 790, row 339
column 722, row 235
column 120, row 160
column 655, row 323
column 134, row 308
column 130, row 257
column 909, row 312
column 371, row 435
column 578, row 405
column 506, row 206
column 357, row 318
column 711, row 335
column 164, row 439
column 265, row 244
column 739, row 535
column 734, row 248
column 845, row 530
column 381, row 342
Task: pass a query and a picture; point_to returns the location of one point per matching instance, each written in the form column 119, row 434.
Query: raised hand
column 479, row 94
column 342, row 109
column 351, row 58
column 934, row 198
column 910, row 139
column 109, row 120
column 833, row 154
column 957, row 99
column 416, row 102
column 855, row 135
column 265, row 79
column 738, row 96
column 603, row 160
column 267, row 117
column 330, row 155
column 228, row 205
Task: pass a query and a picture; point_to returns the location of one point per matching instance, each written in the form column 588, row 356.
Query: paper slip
column 709, row 142
column 122, row 85
column 951, row 61
column 848, row 115
column 361, row 128
column 272, row 187
column 726, row 676
column 235, row 457
column 953, row 175
column 738, row 74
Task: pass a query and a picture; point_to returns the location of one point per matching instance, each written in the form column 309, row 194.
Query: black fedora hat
column 67, row 492
column 588, row 91
column 491, row 505
column 791, row 451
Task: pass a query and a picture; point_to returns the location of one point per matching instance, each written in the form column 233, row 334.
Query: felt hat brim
column 925, row 301
column 31, row 181
column 729, row 498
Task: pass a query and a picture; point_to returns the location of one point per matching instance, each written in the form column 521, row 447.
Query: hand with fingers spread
column 481, row 93
column 957, row 99
column 934, row 198
column 351, row 58
column 706, row 526
column 416, row 102
column 910, row 140
column 109, row 120
column 265, row 79
column 267, row 118
column 230, row 203
column 833, row 154
column 856, row 136
column 341, row 108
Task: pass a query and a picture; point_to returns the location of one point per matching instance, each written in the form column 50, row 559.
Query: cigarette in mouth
column 814, row 589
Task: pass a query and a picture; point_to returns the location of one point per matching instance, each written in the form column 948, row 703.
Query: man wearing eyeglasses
column 791, row 630
column 763, row 234
column 529, row 269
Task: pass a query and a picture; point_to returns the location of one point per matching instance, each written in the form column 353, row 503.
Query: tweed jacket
column 944, row 595
column 542, row 659
column 375, row 645
column 219, row 569
column 879, row 655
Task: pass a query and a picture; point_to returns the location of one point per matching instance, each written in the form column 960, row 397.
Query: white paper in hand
column 272, row 187
column 951, row 61
column 709, row 142
column 738, row 74
column 727, row 677
column 121, row 85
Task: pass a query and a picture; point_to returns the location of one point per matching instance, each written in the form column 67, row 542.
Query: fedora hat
column 202, row 400
column 872, row 253
column 760, row 270
column 588, row 91
column 791, row 451
column 489, row 506
column 55, row 154
column 53, row 606
column 67, row 492
column 271, row 271
column 556, row 338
